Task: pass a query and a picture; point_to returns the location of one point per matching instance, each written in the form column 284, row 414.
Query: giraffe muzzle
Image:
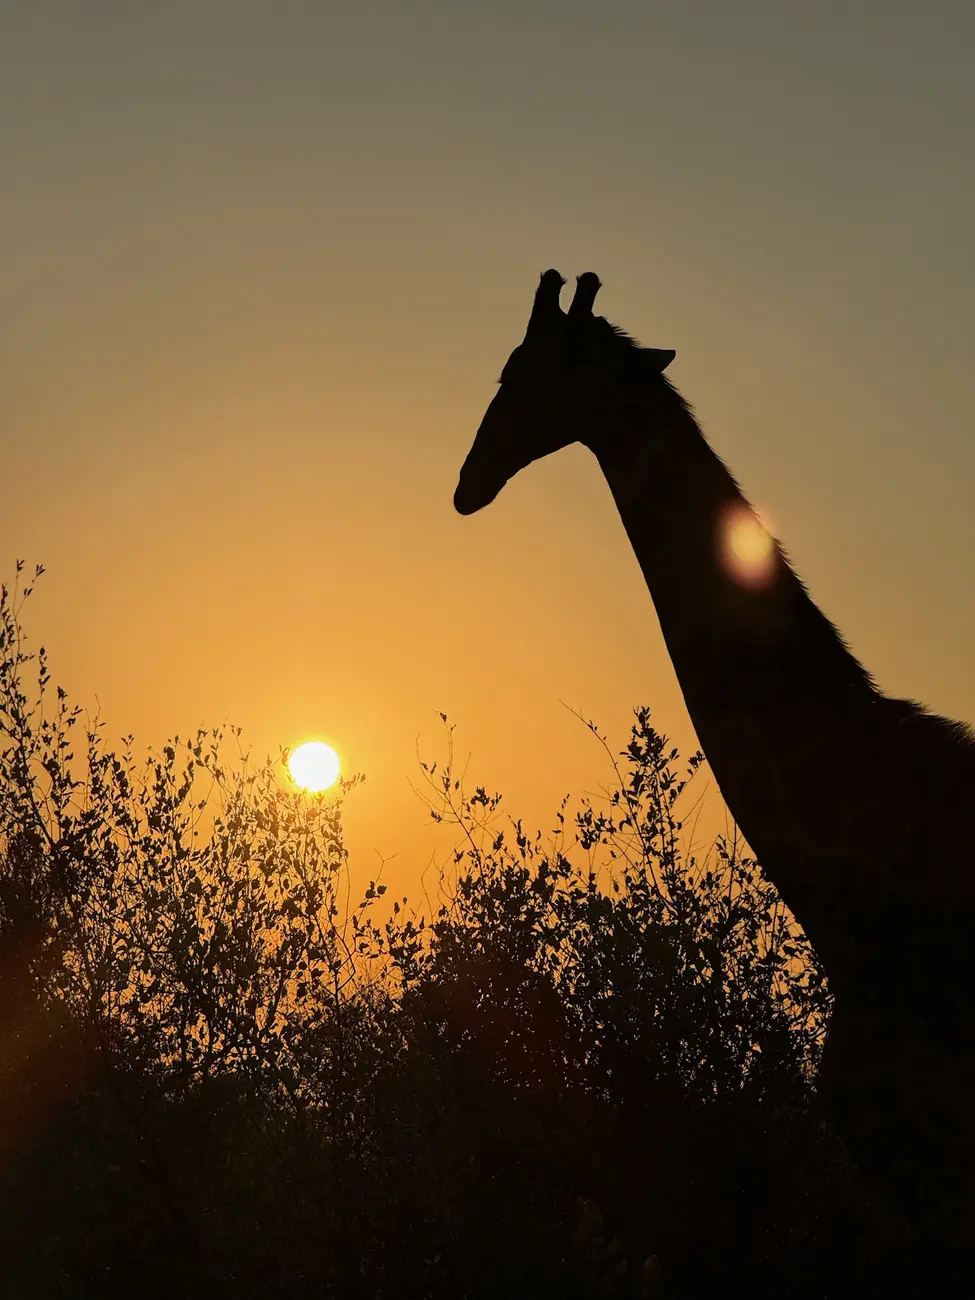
column 472, row 495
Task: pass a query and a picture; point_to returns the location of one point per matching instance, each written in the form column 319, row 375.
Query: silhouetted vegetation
column 589, row 1072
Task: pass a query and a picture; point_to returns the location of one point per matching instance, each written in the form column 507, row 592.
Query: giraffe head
column 560, row 385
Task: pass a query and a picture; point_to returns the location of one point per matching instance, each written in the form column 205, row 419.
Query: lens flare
column 747, row 550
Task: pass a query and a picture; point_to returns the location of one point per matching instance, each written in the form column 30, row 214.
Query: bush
column 590, row 1072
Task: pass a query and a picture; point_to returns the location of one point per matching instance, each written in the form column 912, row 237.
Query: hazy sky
column 260, row 265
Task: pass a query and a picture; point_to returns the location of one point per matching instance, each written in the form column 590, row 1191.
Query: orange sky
column 261, row 264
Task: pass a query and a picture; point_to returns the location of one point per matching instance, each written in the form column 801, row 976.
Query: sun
column 314, row 766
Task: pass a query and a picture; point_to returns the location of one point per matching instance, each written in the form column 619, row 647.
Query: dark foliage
column 590, row 1073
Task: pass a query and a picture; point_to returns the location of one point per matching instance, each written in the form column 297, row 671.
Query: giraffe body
column 861, row 808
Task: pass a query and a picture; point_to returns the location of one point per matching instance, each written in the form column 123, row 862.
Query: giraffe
column 860, row 807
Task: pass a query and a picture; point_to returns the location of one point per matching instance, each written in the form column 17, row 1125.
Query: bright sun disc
column 314, row 766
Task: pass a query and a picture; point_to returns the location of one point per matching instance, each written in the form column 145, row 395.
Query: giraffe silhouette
column 860, row 807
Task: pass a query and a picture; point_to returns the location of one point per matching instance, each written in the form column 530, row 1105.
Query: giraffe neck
column 769, row 685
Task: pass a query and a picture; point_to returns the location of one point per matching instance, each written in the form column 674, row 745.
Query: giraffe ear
column 659, row 358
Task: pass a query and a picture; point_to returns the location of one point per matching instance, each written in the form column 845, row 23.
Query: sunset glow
column 314, row 766
column 483, row 488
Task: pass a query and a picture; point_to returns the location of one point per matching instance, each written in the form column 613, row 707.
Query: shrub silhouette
column 589, row 1072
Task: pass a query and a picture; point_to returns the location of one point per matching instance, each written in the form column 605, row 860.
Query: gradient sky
column 260, row 265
